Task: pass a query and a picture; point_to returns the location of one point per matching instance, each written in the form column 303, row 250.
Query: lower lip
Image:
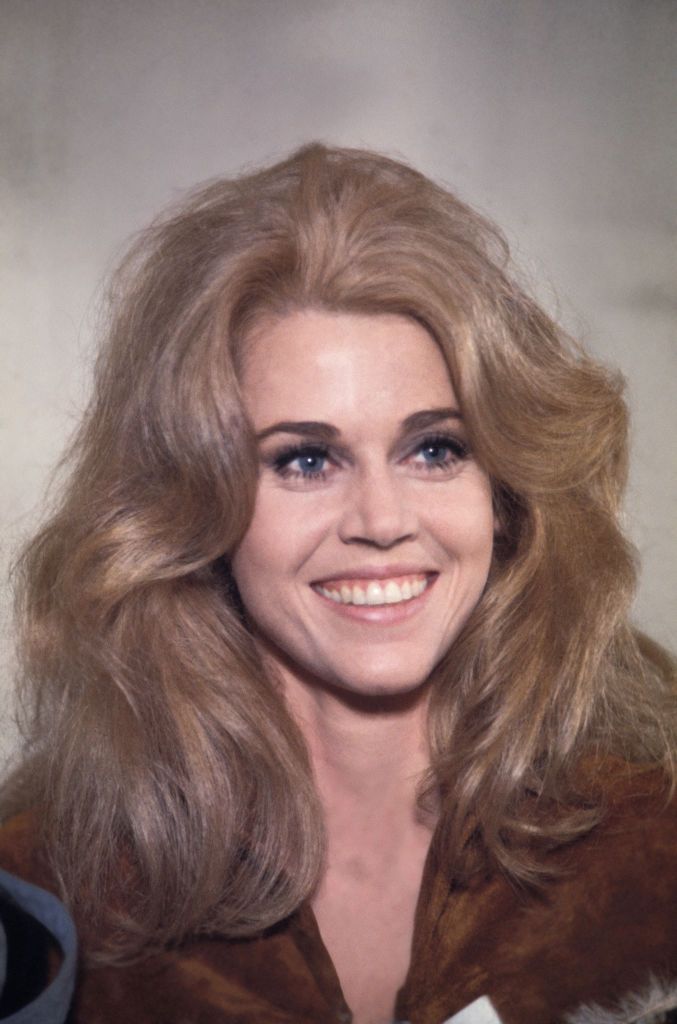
column 380, row 614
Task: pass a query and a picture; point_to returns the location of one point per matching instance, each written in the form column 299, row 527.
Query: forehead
column 320, row 365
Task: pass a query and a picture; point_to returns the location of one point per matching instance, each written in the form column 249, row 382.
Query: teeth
column 376, row 592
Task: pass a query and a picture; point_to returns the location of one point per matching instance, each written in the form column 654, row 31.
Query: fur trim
column 654, row 1004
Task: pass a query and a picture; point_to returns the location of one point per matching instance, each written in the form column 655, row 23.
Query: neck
column 368, row 754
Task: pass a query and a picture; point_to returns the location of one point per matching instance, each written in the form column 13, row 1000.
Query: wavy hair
column 174, row 789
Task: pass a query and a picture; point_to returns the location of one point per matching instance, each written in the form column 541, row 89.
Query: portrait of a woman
column 333, row 708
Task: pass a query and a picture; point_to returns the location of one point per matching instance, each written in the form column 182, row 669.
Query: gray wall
column 556, row 117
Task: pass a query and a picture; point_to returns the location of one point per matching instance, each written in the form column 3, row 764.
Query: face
column 372, row 532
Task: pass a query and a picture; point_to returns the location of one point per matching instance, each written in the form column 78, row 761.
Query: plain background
column 555, row 117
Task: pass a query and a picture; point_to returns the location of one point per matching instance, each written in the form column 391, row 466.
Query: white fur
column 648, row 1006
column 479, row 1012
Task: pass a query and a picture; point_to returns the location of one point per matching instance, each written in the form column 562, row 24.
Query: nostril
column 377, row 515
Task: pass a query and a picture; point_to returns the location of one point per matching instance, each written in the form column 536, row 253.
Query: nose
column 377, row 511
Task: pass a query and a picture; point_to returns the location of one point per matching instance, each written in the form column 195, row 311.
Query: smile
column 374, row 592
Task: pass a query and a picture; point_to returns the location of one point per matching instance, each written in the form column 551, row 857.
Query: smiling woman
column 333, row 708
column 385, row 504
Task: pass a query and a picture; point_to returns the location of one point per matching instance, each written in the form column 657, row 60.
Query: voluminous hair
column 174, row 789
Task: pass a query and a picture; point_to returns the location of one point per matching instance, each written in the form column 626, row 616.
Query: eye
column 439, row 452
column 307, row 462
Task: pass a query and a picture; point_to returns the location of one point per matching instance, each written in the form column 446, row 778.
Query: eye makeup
column 439, row 451
column 310, row 462
column 311, row 459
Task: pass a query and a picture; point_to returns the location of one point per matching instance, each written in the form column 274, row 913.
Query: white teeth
column 376, row 593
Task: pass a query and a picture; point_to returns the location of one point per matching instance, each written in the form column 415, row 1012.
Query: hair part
column 174, row 789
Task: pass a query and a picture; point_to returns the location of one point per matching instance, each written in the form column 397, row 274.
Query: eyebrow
column 326, row 432
column 429, row 417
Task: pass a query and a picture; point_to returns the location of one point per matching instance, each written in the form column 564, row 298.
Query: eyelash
column 281, row 461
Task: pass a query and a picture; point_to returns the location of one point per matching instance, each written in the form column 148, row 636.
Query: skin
column 384, row 495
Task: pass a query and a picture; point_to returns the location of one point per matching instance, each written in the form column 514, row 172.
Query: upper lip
column 375, row 572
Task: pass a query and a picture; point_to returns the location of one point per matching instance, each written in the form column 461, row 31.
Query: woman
column 335, row 705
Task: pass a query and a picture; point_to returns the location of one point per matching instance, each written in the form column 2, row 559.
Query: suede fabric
column 594, row 934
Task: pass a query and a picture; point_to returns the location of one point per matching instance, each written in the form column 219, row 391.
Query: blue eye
column 310, row 462
column 439, row 452
column 435, row 453
column 307, row 462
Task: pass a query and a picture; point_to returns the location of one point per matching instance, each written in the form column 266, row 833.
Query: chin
column 375, row 697
column 380, row 685
column 362, row 678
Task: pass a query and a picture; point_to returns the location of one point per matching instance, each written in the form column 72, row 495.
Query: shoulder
column 624, row 870
column 639, row 816
column 598, row 930
column 607, row 924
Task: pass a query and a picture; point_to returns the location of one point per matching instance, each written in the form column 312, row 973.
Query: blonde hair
column 174, row 788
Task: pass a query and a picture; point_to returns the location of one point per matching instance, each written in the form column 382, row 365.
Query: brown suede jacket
column 598, row 932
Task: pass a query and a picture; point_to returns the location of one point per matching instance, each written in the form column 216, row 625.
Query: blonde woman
column 335, row 712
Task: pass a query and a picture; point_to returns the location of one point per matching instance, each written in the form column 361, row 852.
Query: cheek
column 257, row 557
column 466, row 525
column 273, row 547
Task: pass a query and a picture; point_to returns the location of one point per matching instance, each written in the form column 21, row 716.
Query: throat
column 365, row 908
